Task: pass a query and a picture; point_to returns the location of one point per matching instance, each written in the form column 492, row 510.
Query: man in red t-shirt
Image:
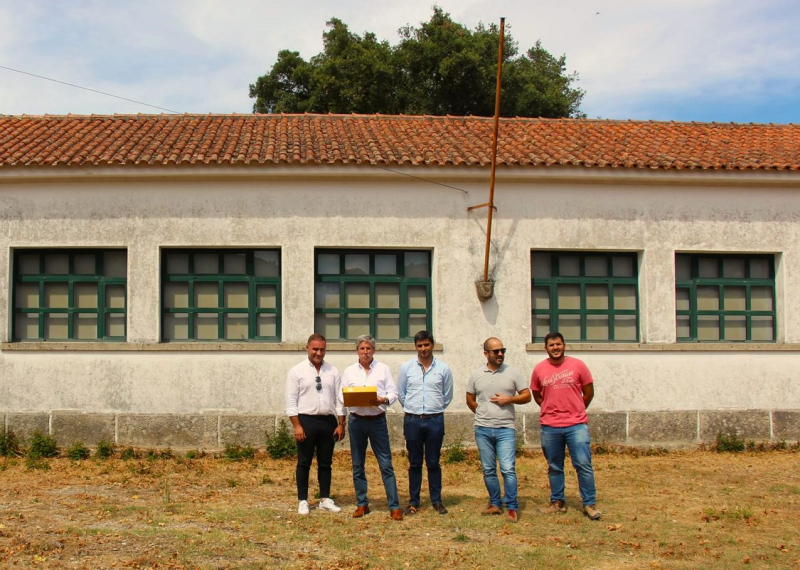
column 563, row 388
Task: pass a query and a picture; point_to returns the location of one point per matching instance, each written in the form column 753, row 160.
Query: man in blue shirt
column 425, row 387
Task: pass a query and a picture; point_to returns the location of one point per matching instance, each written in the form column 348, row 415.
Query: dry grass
column 679, row 510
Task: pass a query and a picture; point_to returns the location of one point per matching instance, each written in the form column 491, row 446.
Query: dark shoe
column 396, row 514
column 440, row 508
column 492, row 510
column 410, row 510
column 592, row 512
column 513, row 516
column 361, row 511
column 554, row 507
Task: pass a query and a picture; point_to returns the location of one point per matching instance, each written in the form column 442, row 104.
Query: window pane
column 736, row 328
column 385, row 265
column 85, row 295
column 115, row 297
column 417, row 323
column 570, row 327
column 708, row 327
column 540, row 266
column 708, row 298
column 235, row 263
column 206, row 326
column 569, row 296
column 56, row 326
column 328, row 264
column 176, row 326
column 597, row 297
column 387, row 295
column 176, row 295
column 28, row 264
column 387, row 327
column 267, row 296
column 84, row 264
column 26, row 326
column 625, row 328
column 417, row 264
column 355, row 325
column 684, row 330
column 177, row 263
column 709, row 268
column 569, row 266
column 206, row 295
column 682, row 299
column 596, row 327
column 327, row 326
column 596, row 266
column 541, row 325
column 26, row 296
column 115, row 264
column 356, row 264
column 622, row 266
column 267, row 263
column 761, row 299
column 760, row 269
column 356, row 296
column 326, row 296
column 56, row 264
column 683, row 267
column 540, row 299
column 625, row 297
column 206, row 263
column 267, row 325
column 733, row 268
column 56, row 295
column 115, row 324
column 84, row 326
column 237, row 295
column 417, row 297
column 735, row 299
column 236, row 327
column 761, row 328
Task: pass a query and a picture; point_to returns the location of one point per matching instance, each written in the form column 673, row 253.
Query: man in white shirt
column 315, row 407
column 368, row 425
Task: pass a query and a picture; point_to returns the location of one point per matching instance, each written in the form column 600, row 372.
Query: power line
column 422, row 179
column 88, row 89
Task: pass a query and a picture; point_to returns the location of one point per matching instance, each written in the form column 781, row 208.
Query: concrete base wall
column 216, row 430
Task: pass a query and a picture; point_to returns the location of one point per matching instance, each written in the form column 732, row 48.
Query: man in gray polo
column 492, row 392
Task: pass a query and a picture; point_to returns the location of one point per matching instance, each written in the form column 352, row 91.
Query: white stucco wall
column 356, row 207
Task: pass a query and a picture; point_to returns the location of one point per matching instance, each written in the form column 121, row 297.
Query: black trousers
column 319, row 438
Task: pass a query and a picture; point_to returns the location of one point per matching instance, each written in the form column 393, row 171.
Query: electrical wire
column 421, row 179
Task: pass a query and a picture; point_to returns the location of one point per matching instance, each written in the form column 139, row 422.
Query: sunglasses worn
column 318, row 380
column 497, row 351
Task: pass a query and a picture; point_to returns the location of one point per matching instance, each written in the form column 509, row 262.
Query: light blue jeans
column 499, row 444
column 576, row 438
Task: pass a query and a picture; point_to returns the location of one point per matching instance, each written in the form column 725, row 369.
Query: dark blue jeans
column 376, row 433
column 424, row 438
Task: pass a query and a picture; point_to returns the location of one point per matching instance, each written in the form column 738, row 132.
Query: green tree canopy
column 438, row 68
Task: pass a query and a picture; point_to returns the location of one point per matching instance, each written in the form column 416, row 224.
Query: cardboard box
column 359, row 396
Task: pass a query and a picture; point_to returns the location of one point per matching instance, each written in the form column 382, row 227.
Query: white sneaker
column 328, row 505
column 302, row 508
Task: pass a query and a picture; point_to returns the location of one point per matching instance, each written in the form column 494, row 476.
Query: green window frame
column 383, row 293
column 69, row 295
column 221, row 295
column 725, row 298
column 586, row 296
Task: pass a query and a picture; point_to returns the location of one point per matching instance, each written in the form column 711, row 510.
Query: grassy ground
column 678, row 510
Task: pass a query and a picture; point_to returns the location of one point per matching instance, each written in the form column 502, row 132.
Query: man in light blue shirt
column 425, row 388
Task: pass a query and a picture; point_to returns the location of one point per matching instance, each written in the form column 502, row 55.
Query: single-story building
column 160, row 274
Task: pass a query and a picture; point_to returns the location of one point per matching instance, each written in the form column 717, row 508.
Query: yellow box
column 359, row 395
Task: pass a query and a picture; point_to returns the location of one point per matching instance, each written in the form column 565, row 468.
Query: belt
column 369, row 418
column 425, row 416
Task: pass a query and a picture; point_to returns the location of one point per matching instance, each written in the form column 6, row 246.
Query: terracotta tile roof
column 75, row 140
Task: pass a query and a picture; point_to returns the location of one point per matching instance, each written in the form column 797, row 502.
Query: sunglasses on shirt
column 318, row 380
column 497, row 351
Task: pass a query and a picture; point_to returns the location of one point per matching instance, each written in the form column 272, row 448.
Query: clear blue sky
column 686, row 60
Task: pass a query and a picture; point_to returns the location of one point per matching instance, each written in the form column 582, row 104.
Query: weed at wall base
column 41, row 446
column 78, row 452
column 281, row 443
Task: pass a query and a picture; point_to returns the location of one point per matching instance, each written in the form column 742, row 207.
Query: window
column 727, row 298
column 386, row 294
column 587, row 297
column 69, row 295
column 220, row 295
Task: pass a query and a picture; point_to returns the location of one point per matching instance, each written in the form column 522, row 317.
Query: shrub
column 105, row 449
column 9, row 445
column 281, row 443
column 729, row 443
column 78, row 452
column 128, row 453
column 41, row 445
column 195, row 454
column 455, row 453
column 238, row 452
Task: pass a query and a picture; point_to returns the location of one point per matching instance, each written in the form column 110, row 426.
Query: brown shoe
column 513, row 516
column 396, row 514
column 554, row 507
column 592, row 512
column 411, row 510
column 492, row 510
column 361, row 511
column 440, row 508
